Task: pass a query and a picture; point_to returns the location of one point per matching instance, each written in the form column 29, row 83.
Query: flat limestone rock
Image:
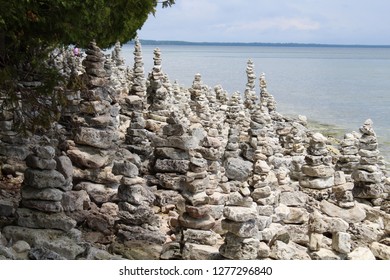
column 351, row 215
column 43, row 194
column 55, row 240
column 361, row 253
column 193, row 251
column 239, row 214
column 41, row 179
column 238, row 169
column 87, row 158
column 381, row 251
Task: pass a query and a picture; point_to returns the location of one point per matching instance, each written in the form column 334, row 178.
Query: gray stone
column 380, row 251
column 7, row 208
column 102, row 139
column 16, row 152
column 295, row 198
column 55, row 240
column 88, row 157
column 42, row 179
column 193, row 251
column 44, row 152
column 325, row 254
column 65, row 167
column 36, row 219
column 170, row 165
column 320, row 223
column 238, row 248
column 291, row 251
column 205, row 223
column 171, row 153
column 35, row 162
column 135, row 215
column 361, row 253
column 318, row 171
column 205, row 237
column 43, row 205
column 75, row 201
column 21, row 246
column 98, row 193
column 351, row 215
column 125, row 168
column 241, row 229
column 136, row 194
column 341, row 242
column 238, row 169
column 43, row 194
column 41, row 253
column 317, row 183
column 239, row 214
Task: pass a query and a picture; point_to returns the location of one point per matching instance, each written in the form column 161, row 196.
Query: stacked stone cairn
column 136, row 99
column 157, row 94
column 95, row 137
column 250, row 93
column 318, row 171
column 240, row 211
column 136, row 217
column 117, row 72
column 46, row 193
column 349, row 158
column 368, row 176
column 267, row 100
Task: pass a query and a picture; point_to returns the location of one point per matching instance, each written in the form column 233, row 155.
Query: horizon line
column 291, row 44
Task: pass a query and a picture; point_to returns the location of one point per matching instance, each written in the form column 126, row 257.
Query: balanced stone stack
column 349, row 158
column 368, row 176
column 41, row 218
column 13, row 148
column 241, row 225
column 117, row 56
column 197, row 221
column 94, row 65
column 136, row 100
column 250, row 93
column 199, row 101
column 118, row 71
column 221, row 95
column 267, row 101
column 318, row 171
column 136, row 217
column 342, row 190
column 137, row 139
column 156, row 92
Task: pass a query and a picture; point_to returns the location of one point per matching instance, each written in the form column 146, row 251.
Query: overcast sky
column 273, row 21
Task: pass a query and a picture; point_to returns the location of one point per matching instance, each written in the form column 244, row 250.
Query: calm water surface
column 339, row 86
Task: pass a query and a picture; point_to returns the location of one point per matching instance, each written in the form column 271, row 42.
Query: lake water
column 338, row 86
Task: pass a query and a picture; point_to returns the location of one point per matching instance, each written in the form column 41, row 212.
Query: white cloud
column 275, row 23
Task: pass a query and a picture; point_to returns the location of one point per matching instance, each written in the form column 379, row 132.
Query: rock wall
column 149, row 169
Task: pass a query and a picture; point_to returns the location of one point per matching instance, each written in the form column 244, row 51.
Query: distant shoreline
column 186, row 43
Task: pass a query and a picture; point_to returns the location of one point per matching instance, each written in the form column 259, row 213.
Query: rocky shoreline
column 141, row 168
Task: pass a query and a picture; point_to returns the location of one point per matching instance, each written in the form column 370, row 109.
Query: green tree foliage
column 30, row 29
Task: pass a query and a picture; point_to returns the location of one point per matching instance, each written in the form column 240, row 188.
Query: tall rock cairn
column 43, row 191
column 157, row 94
column 267, row 100
column 136, row 101
column 318, row 170
column 137, row 220
column 349, row 158
column 250, row 93
column 368, row 176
